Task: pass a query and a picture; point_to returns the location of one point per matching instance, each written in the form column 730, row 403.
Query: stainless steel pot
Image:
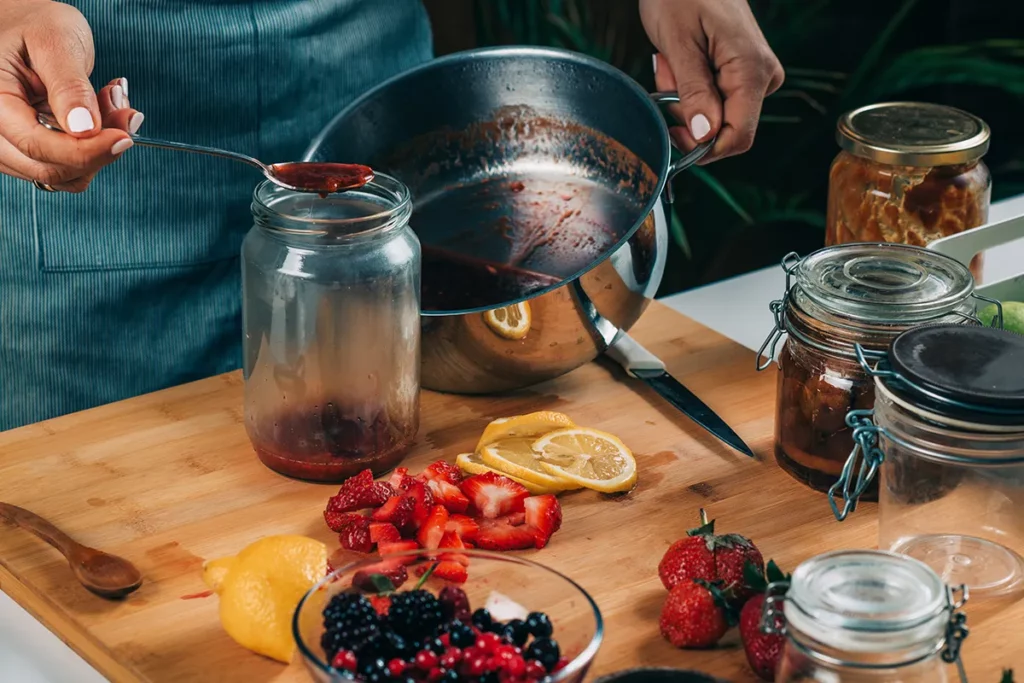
column 544, row 159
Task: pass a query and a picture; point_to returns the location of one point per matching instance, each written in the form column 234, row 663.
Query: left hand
column 713, row 53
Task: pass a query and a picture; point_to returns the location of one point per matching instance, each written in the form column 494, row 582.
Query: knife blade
column 645, row 366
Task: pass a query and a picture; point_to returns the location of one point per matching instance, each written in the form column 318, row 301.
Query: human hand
column 712, row 53
column 46, row 56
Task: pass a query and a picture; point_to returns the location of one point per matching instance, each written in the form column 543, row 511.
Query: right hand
column 46, row 56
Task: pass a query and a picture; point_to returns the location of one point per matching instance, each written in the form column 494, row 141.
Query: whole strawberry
column 763, row 649
column 710, row 557
column 694, row 615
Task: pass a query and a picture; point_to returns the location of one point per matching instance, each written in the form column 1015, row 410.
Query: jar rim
column 384, row 191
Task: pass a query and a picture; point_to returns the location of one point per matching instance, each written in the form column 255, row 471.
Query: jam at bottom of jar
column 322, row 446
column 815, row 478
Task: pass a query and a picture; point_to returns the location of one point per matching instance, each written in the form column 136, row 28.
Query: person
column 134, row 285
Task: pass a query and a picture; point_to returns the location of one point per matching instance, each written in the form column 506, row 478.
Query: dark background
column 744, row 213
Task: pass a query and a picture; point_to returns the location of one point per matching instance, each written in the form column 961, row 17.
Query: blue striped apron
column 134, row 286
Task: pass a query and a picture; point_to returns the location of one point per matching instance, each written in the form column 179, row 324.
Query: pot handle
column 689, row 158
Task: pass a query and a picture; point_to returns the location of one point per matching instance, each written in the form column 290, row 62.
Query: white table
column 737, row 308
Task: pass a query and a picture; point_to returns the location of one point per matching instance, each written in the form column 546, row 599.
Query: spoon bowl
column 106, row 575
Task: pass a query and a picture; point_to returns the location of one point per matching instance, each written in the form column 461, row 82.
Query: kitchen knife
column 644, row 365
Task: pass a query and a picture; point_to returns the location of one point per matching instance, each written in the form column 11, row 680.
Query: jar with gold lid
column 908, row 173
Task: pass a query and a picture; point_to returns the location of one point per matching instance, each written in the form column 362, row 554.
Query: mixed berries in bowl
column 513, row 621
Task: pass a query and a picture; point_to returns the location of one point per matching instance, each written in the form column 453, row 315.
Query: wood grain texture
column 168, row 480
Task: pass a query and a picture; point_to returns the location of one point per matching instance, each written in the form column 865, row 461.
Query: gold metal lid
column 913, row 134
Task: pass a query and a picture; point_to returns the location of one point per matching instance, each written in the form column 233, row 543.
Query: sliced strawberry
column 423, row 501
column 449, row 495
column 465, row 527
column 500, row 534
column 395, row 573
column 543, row 516
column 382, row 532
column 360, row 492
column 432, row 530
column 397, row 510
column 451, row 571
column 494, row 495
column 337, row 521
column 400, row 479
column 452, row 540
column 355, row 535
column 384, row 548
column 443, row 471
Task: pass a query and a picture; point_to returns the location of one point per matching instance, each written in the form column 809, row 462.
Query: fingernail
column 121, row 145
column 80, row 120
column 136, row 123
column 654, row 59
column 117, row 96
column 124, row 86
column 699, row 126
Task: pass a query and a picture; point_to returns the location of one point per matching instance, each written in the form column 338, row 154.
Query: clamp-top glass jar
column 835, row 299
column 908, row 173
column 331, row 320
column 866, row 616
column 947, row 440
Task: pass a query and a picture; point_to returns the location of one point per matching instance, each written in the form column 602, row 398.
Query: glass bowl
column 575, row 617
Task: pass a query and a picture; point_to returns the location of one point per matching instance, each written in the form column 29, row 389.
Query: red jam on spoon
column 323, row 178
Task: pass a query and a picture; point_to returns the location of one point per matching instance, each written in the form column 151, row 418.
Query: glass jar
column 330, row 290
column 866, row 616
column 908, row 173
column 947, row 439
column 837, row 298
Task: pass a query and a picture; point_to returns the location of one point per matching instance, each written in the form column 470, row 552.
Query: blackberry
column 415, row 615
column 489, row 677
column 482, row 619
column 461, row 635
column 349, row 621
column 539, row 625
column 399, row 647
column 516, row 632
column 436, row 646
column 451, row 676
column 372, row 666
column 545, row 651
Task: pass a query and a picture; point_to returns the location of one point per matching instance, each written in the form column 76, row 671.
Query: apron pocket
column 150, row 209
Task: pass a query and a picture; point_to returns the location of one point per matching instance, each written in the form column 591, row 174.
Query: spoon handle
column 39, row 526
column 50, row 122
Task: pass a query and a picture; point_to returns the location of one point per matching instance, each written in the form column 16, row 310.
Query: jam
column 453, row 281
column 331, row 443
column 323, row 178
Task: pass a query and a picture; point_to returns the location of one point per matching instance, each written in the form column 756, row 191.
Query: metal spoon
column 326, row 177
column 108, row 576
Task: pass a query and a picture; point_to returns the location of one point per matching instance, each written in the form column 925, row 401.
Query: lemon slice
column 510, row 322
column 529, row 426
column 592, row 459
column 471, row 463
column 515, row 457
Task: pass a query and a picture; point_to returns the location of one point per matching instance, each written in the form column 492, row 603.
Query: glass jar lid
column 913, row 134
column 884, row 283
column 962, row 371
column 867, row 601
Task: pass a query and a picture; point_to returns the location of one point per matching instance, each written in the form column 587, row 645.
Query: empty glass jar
column 947, row 439
column 331, row 329
column 835, row 299
column 865, row 616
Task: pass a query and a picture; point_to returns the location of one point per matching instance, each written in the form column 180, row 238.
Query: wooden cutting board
column 169, row 480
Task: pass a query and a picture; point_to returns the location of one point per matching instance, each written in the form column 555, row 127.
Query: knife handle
column 628, row 353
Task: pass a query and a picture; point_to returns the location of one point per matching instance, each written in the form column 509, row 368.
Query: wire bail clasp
column 865, row 459
column 790, row 262
column 773, row 619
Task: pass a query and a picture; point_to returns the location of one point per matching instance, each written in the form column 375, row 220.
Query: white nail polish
column 136, row 123
column 121, row 145
column 117, row 96
column 654, row 59
column 699, row 127
column 124, row 86
column 80, row 120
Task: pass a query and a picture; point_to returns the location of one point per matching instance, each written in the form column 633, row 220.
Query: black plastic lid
column 972, row 372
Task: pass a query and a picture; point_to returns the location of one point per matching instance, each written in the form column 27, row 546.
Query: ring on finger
column 43, row 186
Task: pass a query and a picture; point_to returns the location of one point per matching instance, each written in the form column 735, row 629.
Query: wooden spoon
column 108, row 576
